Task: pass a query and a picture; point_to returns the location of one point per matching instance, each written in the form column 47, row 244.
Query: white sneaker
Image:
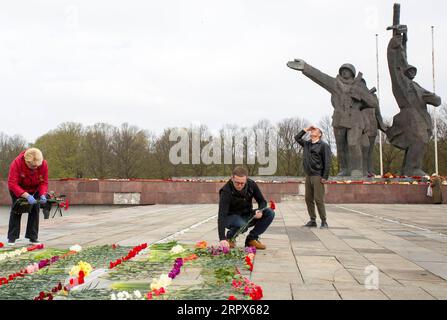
column 11, row 244
column 35, row 242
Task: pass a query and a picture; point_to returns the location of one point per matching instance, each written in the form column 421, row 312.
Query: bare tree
column 97, row 150
column 10, row 148
column 328, row 133
column 289, row 151
column 129, row 148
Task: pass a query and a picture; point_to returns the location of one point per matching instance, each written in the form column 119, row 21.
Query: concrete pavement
column 370, row 251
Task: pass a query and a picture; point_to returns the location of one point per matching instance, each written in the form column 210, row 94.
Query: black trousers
column 32, row 227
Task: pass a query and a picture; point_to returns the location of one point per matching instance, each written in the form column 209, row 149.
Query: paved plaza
column 370, row 251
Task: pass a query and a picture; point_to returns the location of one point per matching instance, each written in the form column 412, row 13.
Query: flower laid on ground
column 191, row 257
column 19, row 252
column 75, row 248
column 49, row 296
column 176, row 268
column 163, row 282
column 201, row 245
column 82, row 266
column 219, row 250
column 12, row 254
column 247, row 288
column 249, row 261
column 250, row 250
column 44, row 296
column 124, row 295
column 132, row 254
column 30, row 269
column 155, row 292
column 177, row 249
column 1, row 245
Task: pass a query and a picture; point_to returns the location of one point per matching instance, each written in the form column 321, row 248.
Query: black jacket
column 316, row 157
column 238, row 202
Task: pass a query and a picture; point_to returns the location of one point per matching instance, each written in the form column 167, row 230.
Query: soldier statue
column 412, row 127
column 349, row 97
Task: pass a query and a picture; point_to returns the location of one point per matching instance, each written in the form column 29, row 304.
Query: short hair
column 34, row 157
column 321, row 132
column 240, row 172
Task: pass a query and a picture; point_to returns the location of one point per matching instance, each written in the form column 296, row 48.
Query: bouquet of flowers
column 59, row 201
column 271, row 205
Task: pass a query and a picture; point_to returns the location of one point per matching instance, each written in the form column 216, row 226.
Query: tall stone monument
column 412, row 127
column 350, row 97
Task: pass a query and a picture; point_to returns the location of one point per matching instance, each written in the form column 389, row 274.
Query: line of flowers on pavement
column 82, row 270
column 159, row 286
column 35, row 267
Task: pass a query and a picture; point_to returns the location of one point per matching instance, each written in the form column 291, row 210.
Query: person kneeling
column 236, row 210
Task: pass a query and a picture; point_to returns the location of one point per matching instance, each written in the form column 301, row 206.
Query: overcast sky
column 158, row 64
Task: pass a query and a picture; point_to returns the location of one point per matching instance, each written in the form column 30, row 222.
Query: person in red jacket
column 28, row 178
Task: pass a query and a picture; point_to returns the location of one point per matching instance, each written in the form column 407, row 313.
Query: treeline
column 104, row 151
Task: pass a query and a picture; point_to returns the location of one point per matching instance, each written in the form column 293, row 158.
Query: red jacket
column 22, row 179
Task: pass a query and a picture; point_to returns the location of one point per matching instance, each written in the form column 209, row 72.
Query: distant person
column 436, row 185
column 28, row 179
column 317, row 163
column 236, row 208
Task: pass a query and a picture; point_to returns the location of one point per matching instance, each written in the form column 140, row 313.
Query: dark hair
column 240, row 172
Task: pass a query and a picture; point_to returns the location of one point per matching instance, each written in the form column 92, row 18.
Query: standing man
column 236, row 208
column 317, row 163
column 28, row 179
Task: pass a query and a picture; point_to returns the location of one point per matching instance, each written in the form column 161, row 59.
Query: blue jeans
column 236, row 222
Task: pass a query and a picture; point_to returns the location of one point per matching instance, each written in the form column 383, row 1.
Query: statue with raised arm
column 412, row 127
column 349, row 96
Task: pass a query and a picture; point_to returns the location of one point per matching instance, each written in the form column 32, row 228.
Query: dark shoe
column 255, row 243
column 311, row 224
column 35, row 242
column 324, row 225
column 11, row 243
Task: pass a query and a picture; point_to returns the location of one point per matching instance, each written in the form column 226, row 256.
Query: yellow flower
column 82, row 266
column 163, row 282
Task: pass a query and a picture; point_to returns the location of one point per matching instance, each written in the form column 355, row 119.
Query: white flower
column 137, row 294
column 76, row 248
column 177, row 249
column 163, row 282
column 112, row 296
column 121, row 296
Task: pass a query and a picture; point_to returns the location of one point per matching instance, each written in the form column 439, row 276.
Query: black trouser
column 236, row 222
column 32, row 227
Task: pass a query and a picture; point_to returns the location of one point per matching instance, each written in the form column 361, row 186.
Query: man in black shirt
column 317, row 163
column 236, row 208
